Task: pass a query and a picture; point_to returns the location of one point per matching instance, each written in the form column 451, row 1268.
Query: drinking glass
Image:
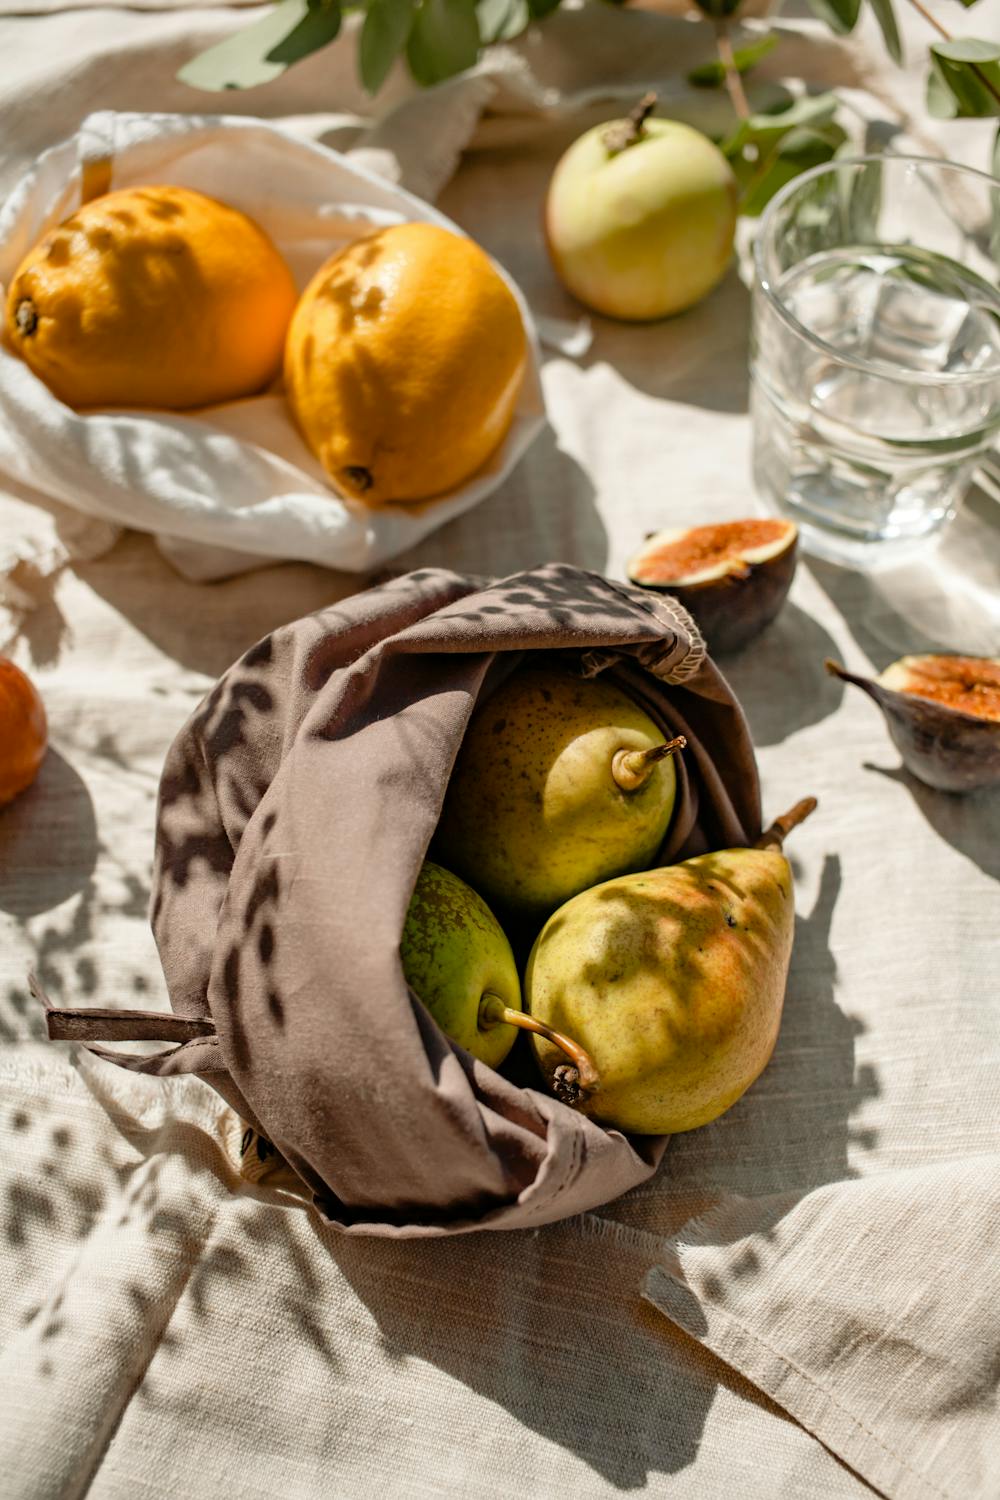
column 875, row 362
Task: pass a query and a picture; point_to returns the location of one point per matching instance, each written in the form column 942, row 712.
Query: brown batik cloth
column 296, row 807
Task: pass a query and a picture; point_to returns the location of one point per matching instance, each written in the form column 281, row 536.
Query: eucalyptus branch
column 730, row 72
column 946, row 35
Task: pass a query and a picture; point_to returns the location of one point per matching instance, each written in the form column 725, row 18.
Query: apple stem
column 774, row 837
column 631, row 769
column 493, row 1012
column 625, row 133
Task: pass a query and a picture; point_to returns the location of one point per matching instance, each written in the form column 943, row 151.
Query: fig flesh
column 732, row 577
column 943, row 713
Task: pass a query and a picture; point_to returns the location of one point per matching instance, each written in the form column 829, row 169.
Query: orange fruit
column 404, row 361
column 153, row 296
column 23, row 731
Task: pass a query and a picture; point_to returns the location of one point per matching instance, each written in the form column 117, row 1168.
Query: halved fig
column 943, row 714
column 733, row 577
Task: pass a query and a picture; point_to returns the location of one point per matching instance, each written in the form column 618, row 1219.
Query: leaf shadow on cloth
column 546, row 1340
column 42, row 625
column 779, row 677
column 206, row 627
column 38, row 872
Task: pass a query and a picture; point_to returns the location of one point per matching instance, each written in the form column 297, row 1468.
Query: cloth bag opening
column 296, row 807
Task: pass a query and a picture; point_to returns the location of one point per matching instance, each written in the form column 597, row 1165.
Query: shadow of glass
column 970, row 824
column 695, row 358
column 779, row 677
column 946, row 601
column 39, row 870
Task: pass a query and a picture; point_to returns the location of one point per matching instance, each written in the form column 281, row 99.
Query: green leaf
column 959, row 88
column 840, row 15
column 444, row 40
column 501, row 20
column 264, row 50
column 538, row 9
column 968, row 3
column 886, row 18
column 966, row 49
column 941, row 102
column 712, row 75
column 383, row 37
column 762, row 130
column 801, row 149
column 861, row 203
column 995, row 159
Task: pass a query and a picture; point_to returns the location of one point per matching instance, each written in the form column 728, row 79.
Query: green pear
column 560, row 782
column 457, row 960
column 672, row 981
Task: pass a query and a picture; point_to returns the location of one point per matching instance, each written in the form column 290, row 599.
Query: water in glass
column 873, row 437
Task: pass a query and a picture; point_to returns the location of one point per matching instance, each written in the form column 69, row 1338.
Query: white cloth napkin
column 869, row 1310
column 237, row 477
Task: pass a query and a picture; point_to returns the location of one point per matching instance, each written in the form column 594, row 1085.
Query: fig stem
column 775, row 836
column 836, row 670
column 493, row 1012
column 631, row 769
column 625, row 133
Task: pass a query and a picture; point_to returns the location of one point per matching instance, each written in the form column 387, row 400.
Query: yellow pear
column 561, row 781
column 672, row 981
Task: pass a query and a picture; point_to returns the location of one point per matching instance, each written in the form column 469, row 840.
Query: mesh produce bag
column 296, row 807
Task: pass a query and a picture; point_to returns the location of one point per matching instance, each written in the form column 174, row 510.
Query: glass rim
column 868, row 366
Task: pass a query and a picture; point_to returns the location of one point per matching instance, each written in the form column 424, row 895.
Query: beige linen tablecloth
column 805, row 1301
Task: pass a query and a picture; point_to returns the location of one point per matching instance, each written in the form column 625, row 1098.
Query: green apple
column 640, row 217
column 456, row 957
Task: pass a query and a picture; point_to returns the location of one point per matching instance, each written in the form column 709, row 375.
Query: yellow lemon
column 152, row 296
column 403, row 363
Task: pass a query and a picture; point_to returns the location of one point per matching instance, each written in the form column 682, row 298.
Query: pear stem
column 493, row 1012
column 775, row 836
column 624, row 133
column 631, row 769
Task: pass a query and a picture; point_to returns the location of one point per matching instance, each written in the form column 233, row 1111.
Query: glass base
column 868, row 555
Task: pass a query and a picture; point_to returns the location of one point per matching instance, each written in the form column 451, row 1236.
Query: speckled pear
column 561, row 782
column 673, row 981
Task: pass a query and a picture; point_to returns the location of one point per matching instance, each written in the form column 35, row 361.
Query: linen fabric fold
column 295, row 809
column 869, row 1310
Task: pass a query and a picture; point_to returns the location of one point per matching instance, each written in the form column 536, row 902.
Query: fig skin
column 731, row 610
column 943, row 747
